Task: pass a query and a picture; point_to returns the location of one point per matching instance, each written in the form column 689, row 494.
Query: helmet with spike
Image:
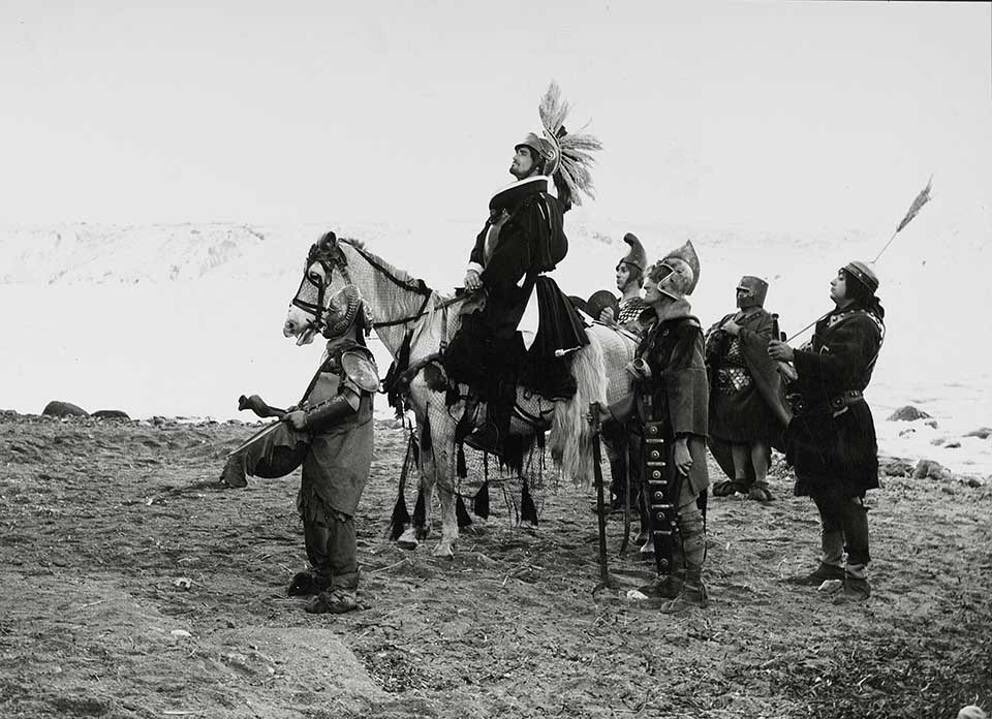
column 636, row 257
column 677, row 272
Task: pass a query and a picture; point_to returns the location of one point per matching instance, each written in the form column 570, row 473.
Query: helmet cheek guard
column 342, row 311
column 677, row 273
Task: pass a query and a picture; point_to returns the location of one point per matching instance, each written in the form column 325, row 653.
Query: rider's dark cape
column 522, row 239
column 560, row 328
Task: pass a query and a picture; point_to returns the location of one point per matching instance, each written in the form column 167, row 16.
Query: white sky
column 795, row 115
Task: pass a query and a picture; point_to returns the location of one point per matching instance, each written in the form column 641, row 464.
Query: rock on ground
column 929, row 469
column 110, row 414
column 56, row 408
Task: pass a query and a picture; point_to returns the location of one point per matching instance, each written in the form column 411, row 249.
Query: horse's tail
column 571, row 439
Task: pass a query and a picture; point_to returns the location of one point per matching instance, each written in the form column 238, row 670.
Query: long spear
column 914, row 209
column 921, row 199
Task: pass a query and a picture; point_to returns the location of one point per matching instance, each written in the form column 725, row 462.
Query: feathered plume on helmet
column 677, row 272
column 567, row 156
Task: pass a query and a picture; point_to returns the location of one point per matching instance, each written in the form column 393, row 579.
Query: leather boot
column 306, row 584
column 665, row 587
column 855, row 589
column 693, row 594
column 818, row 576
column 760, row 492
column 333, row 601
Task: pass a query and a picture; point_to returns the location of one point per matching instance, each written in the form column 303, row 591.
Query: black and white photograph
column 460, row 360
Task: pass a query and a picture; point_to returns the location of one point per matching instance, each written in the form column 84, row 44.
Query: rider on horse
column 501, row 345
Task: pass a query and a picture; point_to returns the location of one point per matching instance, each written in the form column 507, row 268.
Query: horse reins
column 329, row 262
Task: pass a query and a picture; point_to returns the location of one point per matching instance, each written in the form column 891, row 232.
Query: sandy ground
column 132, row 587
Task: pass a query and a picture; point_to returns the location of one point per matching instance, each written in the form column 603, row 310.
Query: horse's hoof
column 423, row 533
column 444, row 550
column 408, row 540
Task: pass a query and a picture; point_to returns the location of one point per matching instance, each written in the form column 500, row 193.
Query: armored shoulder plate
column 359, row 367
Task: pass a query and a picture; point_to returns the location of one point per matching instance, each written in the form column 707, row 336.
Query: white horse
column 410, row 317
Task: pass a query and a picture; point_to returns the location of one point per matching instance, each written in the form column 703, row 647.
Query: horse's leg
column 408, row 539
column 422, row 518
column 436, row 462
column 444, row 466
column 419, row 527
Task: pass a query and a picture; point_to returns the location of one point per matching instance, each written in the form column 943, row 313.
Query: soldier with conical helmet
column 666, row 416
column 630, row 278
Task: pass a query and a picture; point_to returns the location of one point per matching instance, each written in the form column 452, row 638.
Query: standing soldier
column 831, row 440
column 330, row 434
column 667, row 418
column 630, row 278
column 746, row 414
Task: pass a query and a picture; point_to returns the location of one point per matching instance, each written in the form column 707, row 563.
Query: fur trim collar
column 675, row 310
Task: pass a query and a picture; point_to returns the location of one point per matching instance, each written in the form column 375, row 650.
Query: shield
column 258, row 435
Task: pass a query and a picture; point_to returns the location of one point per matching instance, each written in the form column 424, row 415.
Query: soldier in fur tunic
column 331, row 434
column 831, row 439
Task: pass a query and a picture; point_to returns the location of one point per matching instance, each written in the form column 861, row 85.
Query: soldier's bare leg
column 759, row 460
column 741, row 457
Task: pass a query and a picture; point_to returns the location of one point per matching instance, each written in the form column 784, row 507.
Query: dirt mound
column 107, row 653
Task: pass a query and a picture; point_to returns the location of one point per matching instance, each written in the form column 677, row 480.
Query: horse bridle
column 318, row 310
column 329, row 259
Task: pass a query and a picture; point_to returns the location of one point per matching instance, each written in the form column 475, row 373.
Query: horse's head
column 325, row 272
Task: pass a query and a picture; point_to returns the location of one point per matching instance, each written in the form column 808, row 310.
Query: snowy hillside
column 181, row 319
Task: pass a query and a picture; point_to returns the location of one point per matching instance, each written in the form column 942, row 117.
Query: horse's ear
column 328, row 241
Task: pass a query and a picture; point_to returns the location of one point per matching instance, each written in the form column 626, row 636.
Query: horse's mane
column 400, row 274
